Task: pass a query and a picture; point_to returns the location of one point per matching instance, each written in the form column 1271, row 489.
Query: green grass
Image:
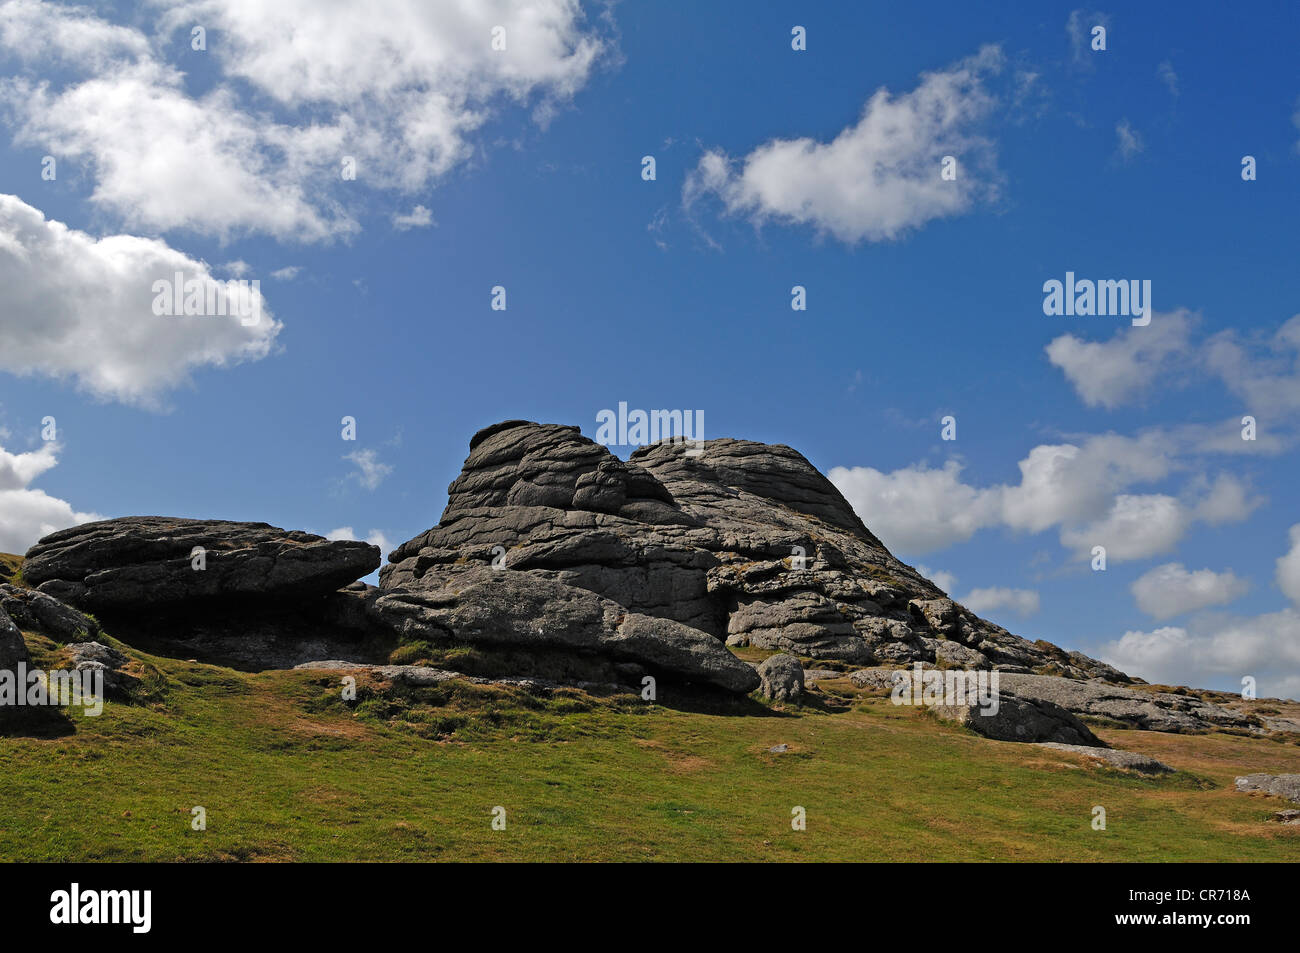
column 289, row 771
column 11, row 569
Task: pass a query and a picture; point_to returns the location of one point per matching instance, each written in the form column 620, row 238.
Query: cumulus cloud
column 27, row 514
column 1214, row 646
column 1261, row 369
column 81, row 308
column 1288, row 568
column 916, row 509
column 1111, row 373
column 1224, row 649
column 944, row 580
column 1078, row 489
column 374, row 538
column 1136, row 526
column 400, row 88
column 1172, row 589
column 877, row 178
column 370, row 471
column 418, row 217
column 1021, row 602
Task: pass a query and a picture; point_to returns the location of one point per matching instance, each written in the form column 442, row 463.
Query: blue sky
column 924, row 296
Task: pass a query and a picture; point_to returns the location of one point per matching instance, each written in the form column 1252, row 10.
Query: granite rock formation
column 743, row 542
column 146, row 562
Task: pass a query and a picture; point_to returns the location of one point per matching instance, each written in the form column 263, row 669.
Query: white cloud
column 1288, row 568
column 400, row 87
column 1228, row 500
column 370, row 471
column 27, row 514
column 916, row 509
column 287, row 273
column 1171, row 589
column 1111, row 373
column 1137, row 526
column 375, row 537
column 1263, row 370
column 1079, row 489
column 80, row 307
column 1265, row 647
column 1021, row 602
column 418, row 217
column 878, row 178
column 1128, row 140
column 944, row 580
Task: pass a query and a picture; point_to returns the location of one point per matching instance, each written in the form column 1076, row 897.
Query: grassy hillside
column 288, row 771
column 9, row 568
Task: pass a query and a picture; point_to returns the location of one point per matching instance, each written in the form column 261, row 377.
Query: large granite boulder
column 148, row 562
column 35, row 611
column 12, row 647
column 1135, row 708
column 509, row 608
column 13, row 652
column 1020, row 719
column 782, row 678
column 745, row 542
column 1279, row 785
column 1143, row 708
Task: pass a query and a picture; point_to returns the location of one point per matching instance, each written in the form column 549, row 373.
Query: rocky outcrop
column 426, row 676
column 34, row 611
column 1019, row 719
column 506, row 607
column 97, row 657
column 13, row 652
column 1125, row 760
column 1094, row 698
column 1133, row 708
column 1279, row 785
column 744, row 542
column 782, row 678
column 147, row 562
column 12, row 647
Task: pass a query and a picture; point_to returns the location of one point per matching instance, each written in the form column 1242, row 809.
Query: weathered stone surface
column 1135, row 708
column 1279, row 785
column 746, row 542
column 1128, row 760
column 95, row 656
column 13, row 652
column 1151, row 710
column 424, row 676
column 507, row 607
column 145, row 562
column 1020, row 719
column 12, row 647
column 781, row 678
column 35, row 611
